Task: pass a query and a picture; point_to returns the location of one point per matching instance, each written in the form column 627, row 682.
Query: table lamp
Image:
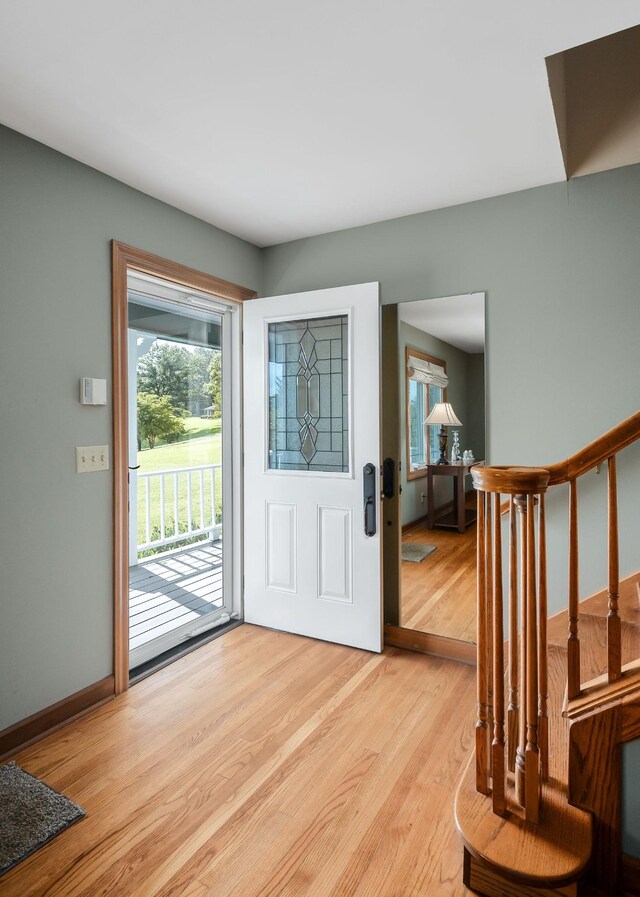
column 443, row 414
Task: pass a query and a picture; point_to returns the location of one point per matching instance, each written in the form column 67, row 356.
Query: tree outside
column 175, row 386
column 200, row 379
column 157, row 419
column 192, row 379
column 164, row 371
column 215, row 383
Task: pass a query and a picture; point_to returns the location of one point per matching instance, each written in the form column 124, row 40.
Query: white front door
column 312, row 464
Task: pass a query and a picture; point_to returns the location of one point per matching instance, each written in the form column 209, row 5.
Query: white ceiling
column 458, row 320
column 284, row 119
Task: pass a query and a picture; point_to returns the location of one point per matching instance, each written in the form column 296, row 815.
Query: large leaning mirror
column 442, row 422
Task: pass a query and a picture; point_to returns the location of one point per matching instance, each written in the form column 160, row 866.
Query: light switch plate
column 92, row 457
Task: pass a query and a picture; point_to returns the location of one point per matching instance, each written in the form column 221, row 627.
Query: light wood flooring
column 263, row 764
column 438, row 594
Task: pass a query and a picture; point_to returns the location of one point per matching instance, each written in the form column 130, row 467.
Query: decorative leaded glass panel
column 308, row 395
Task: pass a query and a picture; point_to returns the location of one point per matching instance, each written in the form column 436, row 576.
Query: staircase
column 538, row 807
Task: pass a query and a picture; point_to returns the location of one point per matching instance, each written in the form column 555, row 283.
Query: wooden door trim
column 124, row 258
column 37, row 726
column 428, row 643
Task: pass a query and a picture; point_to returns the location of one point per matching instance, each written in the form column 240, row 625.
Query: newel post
column 520, row 746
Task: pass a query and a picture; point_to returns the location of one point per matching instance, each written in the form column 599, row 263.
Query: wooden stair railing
column 524, row 751
column 512, row 732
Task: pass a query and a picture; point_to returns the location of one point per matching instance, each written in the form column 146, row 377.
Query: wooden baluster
column 573, row 642
column 512, row 710
column 520, row 501
column 543, row 690
column 482, row 732
column 532, row 753
column 489, row 606
column 614, row 647
column 498, row 745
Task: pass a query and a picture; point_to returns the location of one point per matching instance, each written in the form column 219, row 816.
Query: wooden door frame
column 126, row 258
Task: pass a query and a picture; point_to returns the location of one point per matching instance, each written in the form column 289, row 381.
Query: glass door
column 179, row 451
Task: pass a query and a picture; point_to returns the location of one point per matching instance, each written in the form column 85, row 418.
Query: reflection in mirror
column 425, row 386
column 441, row 350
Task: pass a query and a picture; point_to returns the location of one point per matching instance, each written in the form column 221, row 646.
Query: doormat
column 416, row 552
column 32, row 814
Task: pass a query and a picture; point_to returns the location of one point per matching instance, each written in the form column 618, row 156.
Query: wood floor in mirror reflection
column 438, row 595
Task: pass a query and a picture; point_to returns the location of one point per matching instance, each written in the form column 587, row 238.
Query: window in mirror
column 422, row 441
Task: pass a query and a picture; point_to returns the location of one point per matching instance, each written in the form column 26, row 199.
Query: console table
column 460, row 517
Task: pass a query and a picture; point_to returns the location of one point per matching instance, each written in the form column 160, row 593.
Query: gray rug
column 31, row 814
column 416, row 552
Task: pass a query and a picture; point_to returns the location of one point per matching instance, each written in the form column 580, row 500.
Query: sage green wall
column 466, row 387
column 476, row 402
column 57, row 218
column 560, row 266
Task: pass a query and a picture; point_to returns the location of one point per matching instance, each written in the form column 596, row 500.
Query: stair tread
column 548, row 854
column 600, row 693
column 552, row 852
column 628, row 600
column 597, row 605
column 593, row 644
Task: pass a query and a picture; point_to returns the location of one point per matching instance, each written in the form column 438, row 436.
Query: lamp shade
column 444, row 415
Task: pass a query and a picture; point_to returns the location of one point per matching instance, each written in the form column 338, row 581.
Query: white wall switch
column 92, row 457
column 93, row 391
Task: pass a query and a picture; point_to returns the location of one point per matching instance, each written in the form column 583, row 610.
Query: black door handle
column 137, row 467
column 388, row 477
column 369, row 496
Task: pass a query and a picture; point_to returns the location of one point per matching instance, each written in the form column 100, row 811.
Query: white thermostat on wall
column 92, row 391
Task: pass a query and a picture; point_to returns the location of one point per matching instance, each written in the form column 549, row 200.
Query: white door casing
column 309, row 567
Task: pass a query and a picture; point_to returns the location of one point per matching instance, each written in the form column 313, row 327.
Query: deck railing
column 512, row 734
column 179, row 504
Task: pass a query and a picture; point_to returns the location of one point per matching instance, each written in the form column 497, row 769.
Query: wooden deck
column 167, row 591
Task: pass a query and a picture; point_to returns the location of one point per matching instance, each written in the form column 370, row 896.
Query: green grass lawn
column 198, row 426
column 202, row 450
column 199, row 449
column 195, row 427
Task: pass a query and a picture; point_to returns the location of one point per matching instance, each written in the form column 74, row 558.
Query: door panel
column 335, row 550
column 311, row 424
column 281, row 531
